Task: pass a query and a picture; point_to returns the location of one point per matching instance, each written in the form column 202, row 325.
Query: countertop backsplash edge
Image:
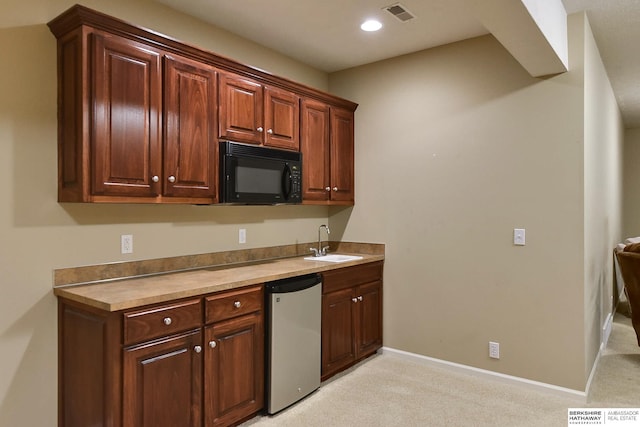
column 104, row 273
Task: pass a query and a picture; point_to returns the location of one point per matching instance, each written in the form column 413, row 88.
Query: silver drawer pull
column 212, row 344
column 167, row 321
column 237, row 304
column 360, row 298
column 354, row 299
column 197, row 349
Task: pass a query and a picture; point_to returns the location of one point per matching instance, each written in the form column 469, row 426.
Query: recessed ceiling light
column 371, row 25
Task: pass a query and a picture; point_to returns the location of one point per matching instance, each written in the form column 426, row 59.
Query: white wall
column 603, row 145
column 455, row 147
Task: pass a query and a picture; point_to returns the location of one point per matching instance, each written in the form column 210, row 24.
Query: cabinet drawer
column 158, row 321
column 233, row 303
column 347, row 277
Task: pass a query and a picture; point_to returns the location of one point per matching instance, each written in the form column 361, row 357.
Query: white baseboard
column 606, row 333
column 540, row 386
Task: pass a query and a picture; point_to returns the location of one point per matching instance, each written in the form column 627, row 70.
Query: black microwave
column 255, row 175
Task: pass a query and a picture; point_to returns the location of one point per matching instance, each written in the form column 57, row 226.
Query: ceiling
column 326, row 35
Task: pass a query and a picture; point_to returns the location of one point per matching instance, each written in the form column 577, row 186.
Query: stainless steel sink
column 334, row 258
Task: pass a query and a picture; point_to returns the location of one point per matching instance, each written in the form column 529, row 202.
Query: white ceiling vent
column 400, row 12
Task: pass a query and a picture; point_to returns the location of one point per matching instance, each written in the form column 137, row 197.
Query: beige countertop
column 122, row 294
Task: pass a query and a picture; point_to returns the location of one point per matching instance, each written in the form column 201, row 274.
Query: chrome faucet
column 320, row 250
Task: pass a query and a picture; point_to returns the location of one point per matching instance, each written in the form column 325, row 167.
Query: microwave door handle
column 287, row 181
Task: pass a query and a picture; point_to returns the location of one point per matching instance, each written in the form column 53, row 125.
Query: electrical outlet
column 494, row 350
column 242, row 235
column 126, row 244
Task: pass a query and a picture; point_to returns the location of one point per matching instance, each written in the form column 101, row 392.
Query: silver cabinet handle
column 212, row 344
column 335, row 188
column 360, row 298
column 167, row 321
column 172, row 178
column 155, row 178
column 260, row 129
column 270, row 131
column 237, row 304
column 327, row 188
column 354, row 299
column 197, row 349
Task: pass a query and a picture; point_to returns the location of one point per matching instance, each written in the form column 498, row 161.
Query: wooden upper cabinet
column 241, row 113
column 281, row 118
column 256, row 114
column 342, row 156
column 190, row 162
column 327, row 146
column 140, row 115
column 126, row 137
column 150, row 134
column 316, row 152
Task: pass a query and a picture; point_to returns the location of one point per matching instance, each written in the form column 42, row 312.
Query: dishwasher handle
column 293, row 284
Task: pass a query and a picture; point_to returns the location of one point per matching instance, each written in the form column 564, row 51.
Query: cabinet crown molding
column 77, row 16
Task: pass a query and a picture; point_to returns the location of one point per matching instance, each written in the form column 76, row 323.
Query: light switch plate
column 242, row 235
column 519, row 236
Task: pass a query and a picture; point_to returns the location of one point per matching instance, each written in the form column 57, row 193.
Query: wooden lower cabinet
column 119, row 369
column 234, row 369
column 163, row 382
column 351, row 316
column 197, row 362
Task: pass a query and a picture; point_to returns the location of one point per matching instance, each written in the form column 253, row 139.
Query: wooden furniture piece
column 189, row 362
column 328, row 154
column 351, row 316
column 629, row 262
column 140, row 114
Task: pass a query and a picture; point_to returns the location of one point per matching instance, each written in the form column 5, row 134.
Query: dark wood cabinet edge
column 335, row 370
column 93, row 198
column 328, row 203
column 78, row 15
column 107, row 345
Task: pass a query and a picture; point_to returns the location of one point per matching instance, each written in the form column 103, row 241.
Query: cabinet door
column 338, row 331
column 126, row 149
column 316, row 154
column 369, row 318
column 190, row 126
column 342, row 157
column 162, row 384
column 234, row 369
column 282, row 119
column 241, row 112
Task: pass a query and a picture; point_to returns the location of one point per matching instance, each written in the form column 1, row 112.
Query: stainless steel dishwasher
column 293, row 339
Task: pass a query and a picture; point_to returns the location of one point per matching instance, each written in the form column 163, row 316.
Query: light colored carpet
column 387, row 390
